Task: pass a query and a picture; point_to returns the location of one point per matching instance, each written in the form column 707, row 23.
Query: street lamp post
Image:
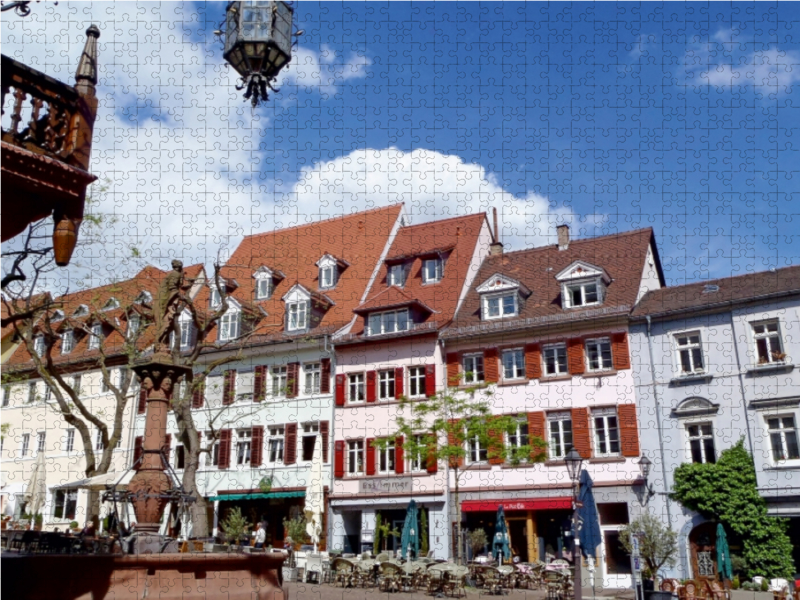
column 574, row 463
column 645, row 464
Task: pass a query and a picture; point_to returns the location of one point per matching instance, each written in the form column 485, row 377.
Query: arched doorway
column 702, row 544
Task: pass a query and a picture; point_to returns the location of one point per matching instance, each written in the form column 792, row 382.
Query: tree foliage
column 726, row 491
column 658, row 545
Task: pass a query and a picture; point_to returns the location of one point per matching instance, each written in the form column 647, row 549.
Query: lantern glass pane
column 282, row 32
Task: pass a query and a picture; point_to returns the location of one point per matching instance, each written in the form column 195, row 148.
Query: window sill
column 769, row 368
column 477, row 467
column 691, row 378
column 549, row 378
column 519, row 466
column 555, row 462
column 603, row 373
column 378, row 476
column 607, row 459
column 787, row 465
column 512, row 382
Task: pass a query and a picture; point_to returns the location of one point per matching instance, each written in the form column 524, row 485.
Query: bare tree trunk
column 198, row 510
column 459, row 532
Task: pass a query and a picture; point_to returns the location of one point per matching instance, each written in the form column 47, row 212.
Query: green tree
column 424, row 540
column 235, row 526
column 658, row 545
column 726, row 491
column 376, row 542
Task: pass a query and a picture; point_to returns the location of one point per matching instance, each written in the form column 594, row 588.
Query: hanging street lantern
column 258, row 43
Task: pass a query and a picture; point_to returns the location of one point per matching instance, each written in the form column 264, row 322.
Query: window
column 212, row 458
column 432, row 270
column 313, row 374
column 475, row 453
column 497, row 307
column 177, row 390
column 416, row 382
column 555, row 360
column 65, row 503
column 263, row 287
column 396, row 275
column 81, row 311
column 327, row 277
column 355, row 457
column 386, row 458
column 69, row 444
column 67, row 342
column 355, row 388
column 76, row 384
column 606, row 432
column 560, row 434
column 582, row 294
column 388, row 322
column 98, row 444
column 40, row 441
column 38, row 345
column 144, row 297
column 783, row 438
column 310, row 432
column 243, row 440
column 31, row 392
column 216, row 298
column 419, row 461
column 185, row 326
column 519, row 437
column 48, row 393
column 769, row 349
column 690, row 353
column 6, row 395
column 598, row 354
column 134, row 321
column 26, row 442
column 473, row 368
column 229, row 325
column 298, row 315
column 96, row 333
column 275, row 445
column 701, row 442
column 279, row 381
column 513, row 364
column 104, row 383
column 386, row 385
column 180, row 457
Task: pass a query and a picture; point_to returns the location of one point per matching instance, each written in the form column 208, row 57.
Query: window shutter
column 537, row 428
column 533, row 361
column 224, row 449
column 292, row 379
column 372, row 381
column 338, row 459
column 229, row 391
column 340, row 390
column 142, row 400
column 199, row 394
column 490, row 370
column 260, row 383
column 628, row 430
column 399, row 462
column 431, row 463
column 581, row 432
column 290, row 444
column 324, row 432
column 325, row 376
column 495, row 449
column 398, row 382
column 167, row 447
column 430, row 380
column 256, row 444
column 453, row 439
column 138, row 451
column 453, row 376
column 575, row 360
column 370, row 450
column 620, row 353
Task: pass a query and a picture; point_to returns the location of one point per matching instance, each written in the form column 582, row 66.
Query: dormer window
column 229, row 325
column 186, row 328
column 263, row 287
column 297, row 315
column 81, row 311
column 582, row 285
column 432, row 270
column 583, row 294
column 216, row 298
column 388, row 322
column 396, row 275
column 95, row 336
column 144, row 297
column 67, row 341
column 329, row 269
column 111, row 304
column 58, row 315
column 39, row 345
column 502, row 305
column 134, row 321
column 501, row 297
column 327, row 277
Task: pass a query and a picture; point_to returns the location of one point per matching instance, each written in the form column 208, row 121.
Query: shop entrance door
column 704, row 551
column 517, row 531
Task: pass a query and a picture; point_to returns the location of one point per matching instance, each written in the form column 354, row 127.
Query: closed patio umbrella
column 723, row 554
column 409, row 539
column 315, row 496
column 36, row 492
column 589, row 533
column 500, row 545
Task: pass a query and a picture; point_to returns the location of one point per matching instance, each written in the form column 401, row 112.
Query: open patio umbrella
column 500, row 545
column 723, row 554
column 315, row 496
column 36, row 492
column 409, row 539
column 589, row 532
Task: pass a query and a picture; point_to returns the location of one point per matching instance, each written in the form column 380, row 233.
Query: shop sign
column 533, row 504
column 390, row 485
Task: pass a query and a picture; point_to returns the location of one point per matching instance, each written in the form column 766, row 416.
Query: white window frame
column 69, row 496
column 390, row 321
column 327, row 277
column 275, row 445
column 309, row 429
column 6, row 395
column 69, row 441
column 768, row 337
column 416, row 382
column 230, row 324
column 32, row 392
column 557, row 444
column 517, row 439
column 76, row 384
column 279, row 380
column 356, row 388
column 700, row 438
column 48, row 392
column 25, row 445
column 473, row 366
column 474, row 449
column 385, row 458
column 690, row 350
column 604, row 363
column 558, row 351
column 67, row 341
column 98, row 440
column 782, row 432
column 134, row 322
column 263, row 286
column 432, row 270
column 355, row 466
column 418, row 463
column 607, row 427
column 387, row 386
column 39, row 344
column 517, row 364
column 96, row 333
column 502, row 311
column 41, row 441
column 297, row 315
column 312, row 373
column 396, row 275
column 244, row 447
column 215, row 300
column 569, row 290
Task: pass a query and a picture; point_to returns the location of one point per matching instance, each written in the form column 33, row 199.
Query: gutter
column 740, row 376
column 719, row 305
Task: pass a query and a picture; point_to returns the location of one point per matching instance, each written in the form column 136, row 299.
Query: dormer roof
column 266, row 271
column 580, row 270
column 392, row 297
column 299, row 293
column 500, row 283
column 329, row 259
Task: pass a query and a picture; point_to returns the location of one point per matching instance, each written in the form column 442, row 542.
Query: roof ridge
column 577, row 241
column 99, row 288
column 439, row 221
column 729, row 277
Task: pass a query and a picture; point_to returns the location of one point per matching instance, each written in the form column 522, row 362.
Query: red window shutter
column 370, row 450
column 399, row 461
column 431, row 464
column 224, row 449
column 229, row 390
column 340, row 390
column 167, row 447
column 260, row 383
column 324, row 432
column 142, row 401
column 430, row 380
column 453, row 376
column 575, row 360
column 620, row 352
column 455, row 439
column 495, row 449
column 290, row 444
column 490, row 370
column 138, row 451
column 325, row 376
column 292, row 379
column 372, row 385
column 628, row 429
column 533, row 361
column 399, row 377
column 256, row 444
column 199, row 394
column 581, row 432
column 338, row 459
column 537, row 428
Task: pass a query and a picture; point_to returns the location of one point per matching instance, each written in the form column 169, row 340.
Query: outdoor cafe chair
column 714, row 591
column 454, row 582
column 491, row 580
column 689, row 591
column 364, row 573
column 343, row 572
column 436, row 578
column 555, row 585
column 390, row 578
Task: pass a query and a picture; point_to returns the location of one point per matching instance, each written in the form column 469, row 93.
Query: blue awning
column 256, row 496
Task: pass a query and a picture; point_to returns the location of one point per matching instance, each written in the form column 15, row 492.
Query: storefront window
column 618, row 561
column 65, row 502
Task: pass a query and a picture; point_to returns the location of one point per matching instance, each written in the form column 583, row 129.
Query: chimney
column 563, row 237
column 496, row 248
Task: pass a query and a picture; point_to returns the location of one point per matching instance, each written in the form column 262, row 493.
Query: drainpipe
column 739, row 369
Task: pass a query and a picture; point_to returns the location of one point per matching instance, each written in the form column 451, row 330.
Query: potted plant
column 38, row 519
column 235, row 526
column 477, row 541
column 74, row 527
column 294, row 531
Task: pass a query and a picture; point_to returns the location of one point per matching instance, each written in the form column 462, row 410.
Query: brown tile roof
column 392, row 297
column 621, row 255
column 738, row 289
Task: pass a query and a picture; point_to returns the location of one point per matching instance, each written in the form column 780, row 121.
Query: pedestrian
column 261, row 536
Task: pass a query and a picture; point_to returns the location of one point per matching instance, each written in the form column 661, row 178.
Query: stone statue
column 170, row 303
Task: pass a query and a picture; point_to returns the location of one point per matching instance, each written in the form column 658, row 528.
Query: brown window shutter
column 581, row 432
column 260, row 383
column 575, row 360
column 372, row 386
column 370, row 450
column 453, row 439
column 324, row 432
column 167, row 447
column 620, row 352
column 628, row 430
column 138, row 451
column 292, row 379
column 431, row 464
column 399, row 461
column 430, row 380
column 453, row 376
column 325, row 376
column 256, row 444
column 199, row 394
column 142, row 400
column 490, row 368
column 399, row 377
column 229, row 389
column 224, row 449
column 537, row 427
column 340, row 390
column 495, row 449
column 290, row 444
column 338, row 459
column 533, row 361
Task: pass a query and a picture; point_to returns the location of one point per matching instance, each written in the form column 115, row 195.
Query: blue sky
column 683, row 117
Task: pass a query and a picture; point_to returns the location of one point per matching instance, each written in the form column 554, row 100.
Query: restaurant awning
column 256, row 496
column 529, row 504
column 99, row 482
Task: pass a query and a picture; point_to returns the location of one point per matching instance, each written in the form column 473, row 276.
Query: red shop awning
column 536, row 504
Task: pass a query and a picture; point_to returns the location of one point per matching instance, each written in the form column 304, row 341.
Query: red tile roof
column 391, row 297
